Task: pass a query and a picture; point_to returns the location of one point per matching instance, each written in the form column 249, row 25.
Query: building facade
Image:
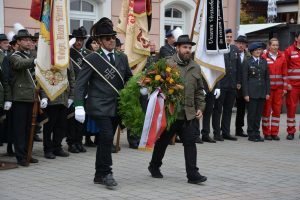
column 167, row 14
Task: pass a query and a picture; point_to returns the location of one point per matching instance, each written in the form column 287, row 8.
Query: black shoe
column 107, row 180
column 80, row 148
column 218, row 138
column 37, row 138
column 10, row 154
column 177, row 140
column 33, row 160
column 260, row 139
column 199, row 180
column 229, row 137
column 73, row 149
column 61, row 153
column 133, row 146
column 113, row 149
column 208, row 139
column 23, row 163
column 155, row 172
column 198, row 140
column 275, row 137
column 1, row 144
column 90, row 143
column 268, row 137
column 241, row 134
column 290, row 137
column 253, row 139
column 49, row 155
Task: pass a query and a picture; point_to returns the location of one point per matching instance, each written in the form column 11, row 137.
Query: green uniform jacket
column 67, row 94
column 194, row 98
column 22, row 83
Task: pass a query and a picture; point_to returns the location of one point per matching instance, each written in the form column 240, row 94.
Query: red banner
column 36, row 9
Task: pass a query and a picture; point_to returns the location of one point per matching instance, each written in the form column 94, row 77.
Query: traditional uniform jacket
column 23, row 87
column 102, row 98
column 5, row 93
column 247, row 55
column 292, row 55
column 67, row 94
column 77, row 58
column 256, row 79
column 194, row 98
column 277, row 71
column 232, row 67
column 166, row 51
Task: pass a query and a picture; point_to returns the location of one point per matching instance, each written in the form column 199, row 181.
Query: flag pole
column 195, row 19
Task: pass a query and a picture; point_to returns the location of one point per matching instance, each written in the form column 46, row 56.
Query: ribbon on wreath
column 155, row 120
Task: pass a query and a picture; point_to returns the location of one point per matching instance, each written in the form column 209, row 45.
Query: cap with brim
column 104, row 29
column 229, row 30
column 3, row 37
column 169, row 33
column 184, row 39
column 23, row 33
column 254, row 46
column 241, row 38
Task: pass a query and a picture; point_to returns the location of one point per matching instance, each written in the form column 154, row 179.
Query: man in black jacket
column 104, row 72
column 229, row 83
column 168, row 49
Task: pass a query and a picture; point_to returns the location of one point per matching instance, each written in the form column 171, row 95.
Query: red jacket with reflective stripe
column 292, row 55
column 277, row 71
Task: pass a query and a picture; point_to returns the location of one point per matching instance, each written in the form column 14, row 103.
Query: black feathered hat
column 79, row 33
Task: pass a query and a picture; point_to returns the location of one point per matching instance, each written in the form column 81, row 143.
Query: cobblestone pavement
column 235, row 170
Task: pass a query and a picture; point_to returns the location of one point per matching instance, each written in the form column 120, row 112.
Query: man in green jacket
column 187, row 123
column 23, row 89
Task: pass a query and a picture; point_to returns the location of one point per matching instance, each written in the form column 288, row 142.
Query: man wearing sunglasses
column 104, row 72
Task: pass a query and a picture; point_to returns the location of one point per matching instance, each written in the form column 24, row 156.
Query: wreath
column 159, row 75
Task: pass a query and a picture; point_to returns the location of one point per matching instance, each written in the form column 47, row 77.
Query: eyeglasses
column 108, row 38
column 228, row 36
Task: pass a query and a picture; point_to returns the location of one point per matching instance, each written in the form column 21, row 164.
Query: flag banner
column 53, row 48
column 155, row 121
column 211, row 61
column 36, row 9
column 134, row 23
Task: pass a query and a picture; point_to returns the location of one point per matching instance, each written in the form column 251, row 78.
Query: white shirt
column 107, row 52
column 242, row 55
column 256, row 59
column 273, row 56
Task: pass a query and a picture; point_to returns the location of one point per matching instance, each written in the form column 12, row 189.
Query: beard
column 185, row 56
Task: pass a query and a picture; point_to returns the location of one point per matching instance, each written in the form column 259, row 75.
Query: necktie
column 111, row 59
column 257, row 62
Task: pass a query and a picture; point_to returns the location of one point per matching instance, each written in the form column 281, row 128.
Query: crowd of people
column 257, row 79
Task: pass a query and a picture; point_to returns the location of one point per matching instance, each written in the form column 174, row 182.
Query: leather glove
column 7, row 105
column 217, row 93
column 79, row 114
column 44, row 103
column 70, row 102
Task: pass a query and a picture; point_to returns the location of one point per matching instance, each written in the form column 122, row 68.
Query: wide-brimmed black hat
column 88, row 43
column 118, row 42
column 184, row 39
column 79, row 33
column 35, row 36
column 13, row 40
column 103, row 29
column 241, row 38
column 3, row 37
column 23, row 33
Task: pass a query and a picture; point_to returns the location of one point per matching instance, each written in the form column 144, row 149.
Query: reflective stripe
column 291, row 124
column 294, row 70
column 285, row 83
column 284, row 77
column 294, row 77
column 291, row 119
column 274, row 124
column 265, row 118
column 275, row 118
column 276, row 83
column 275, row 76
column 265, row 124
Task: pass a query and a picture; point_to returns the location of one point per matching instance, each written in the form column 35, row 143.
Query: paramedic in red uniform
column 279, row 84
column 292, row 55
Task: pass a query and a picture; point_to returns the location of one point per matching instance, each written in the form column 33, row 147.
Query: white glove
column 35, row 61
column 79, row 114
column 204, row 92
column 217, row 93
column 71, row 42
column 144, row 91
column 70, row 101
column 44, row 103
column 7, row 105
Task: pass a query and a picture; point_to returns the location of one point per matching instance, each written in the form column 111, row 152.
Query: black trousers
column 240, row 113
column 55, row 129
column 186, row 130
column 209, row 106
column 22, row 116
column 225, row 103
column 255, row 109
column 107, row 126
column 75, row 132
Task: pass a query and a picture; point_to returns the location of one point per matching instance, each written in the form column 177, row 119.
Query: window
column 174, row 17
column 82, row 13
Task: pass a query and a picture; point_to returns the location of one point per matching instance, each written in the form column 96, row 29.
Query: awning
column 250, row 28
